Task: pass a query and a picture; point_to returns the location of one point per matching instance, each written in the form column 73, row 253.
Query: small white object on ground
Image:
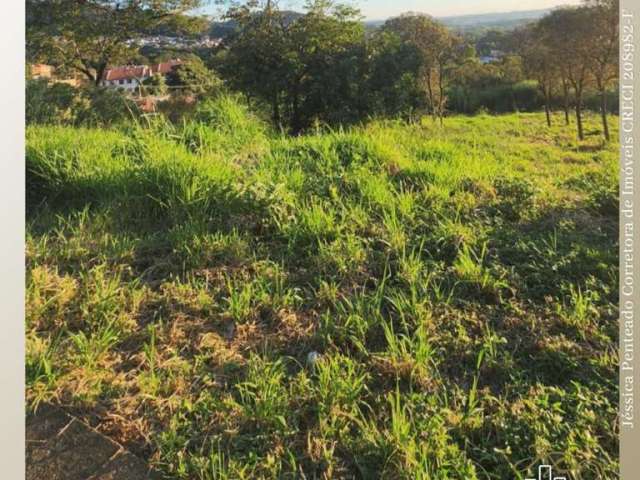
column 313, row 358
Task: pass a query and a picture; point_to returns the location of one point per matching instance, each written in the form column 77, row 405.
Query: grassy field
column 457, row 284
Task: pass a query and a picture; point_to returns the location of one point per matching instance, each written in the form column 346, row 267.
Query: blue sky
column 381, row 9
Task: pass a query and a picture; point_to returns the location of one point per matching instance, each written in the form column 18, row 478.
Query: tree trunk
column 566, row 102
column 296, row 121
column 603, row 111
column 579, row 114
column 547, row 111
column 276, row 111
column 87, row 73
column 441, row 99
column 431, row 96
column 100, row 74
column 546, row 94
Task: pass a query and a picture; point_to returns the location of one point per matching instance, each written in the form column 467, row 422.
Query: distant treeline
column 323, row 66
column 523, row 96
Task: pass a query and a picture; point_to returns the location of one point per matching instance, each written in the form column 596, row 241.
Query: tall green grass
column 456, row 284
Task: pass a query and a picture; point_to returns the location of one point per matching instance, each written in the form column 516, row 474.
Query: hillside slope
column 394, row 301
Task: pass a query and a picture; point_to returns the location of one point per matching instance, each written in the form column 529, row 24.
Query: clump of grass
column 225, row 125
column 471, row 268
column 579, row 307
column 410, row 354
column 41, row 372
column 240, row 300
column 91, row 347
column 263, row 397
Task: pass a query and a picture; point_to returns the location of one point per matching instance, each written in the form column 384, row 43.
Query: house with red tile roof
column 166, row 67
column 130, row 77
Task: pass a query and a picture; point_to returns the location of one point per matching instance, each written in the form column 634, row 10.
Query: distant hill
column 484, row 21
column 222, row 29
column 504, row 20
column 463, row 23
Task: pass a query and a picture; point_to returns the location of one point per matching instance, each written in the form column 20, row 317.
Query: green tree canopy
column 306, row 68
column 193, row 77
column 437, row 50
column 91, row 35
column 566, row 33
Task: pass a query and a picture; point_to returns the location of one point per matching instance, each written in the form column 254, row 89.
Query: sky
column 382, row 9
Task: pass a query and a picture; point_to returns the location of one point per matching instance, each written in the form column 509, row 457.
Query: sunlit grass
column 456, row 286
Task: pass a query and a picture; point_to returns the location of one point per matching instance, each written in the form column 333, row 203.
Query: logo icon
column 545, row 472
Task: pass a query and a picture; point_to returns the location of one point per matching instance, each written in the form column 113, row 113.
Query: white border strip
column 12, row 214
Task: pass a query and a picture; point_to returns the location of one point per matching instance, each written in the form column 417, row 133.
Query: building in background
column 130, row 77
column 48, row 72
column 127, row 78
column 41, row 70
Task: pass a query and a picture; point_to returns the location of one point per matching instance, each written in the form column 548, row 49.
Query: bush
column 602, row 190
column 528, row 97
column 49, row 103
column 105, row 107
column 605, row 200
column 61, row 104
column 194, row 78
column 177, row 108
column 156, row 84
column 592, row 101
column 498, row 98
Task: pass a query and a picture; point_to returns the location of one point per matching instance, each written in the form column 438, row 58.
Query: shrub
column 103, row 107
column 61, row 104
column 49, row 103
column 193, row 77
column 156, row 84
column 177, row 108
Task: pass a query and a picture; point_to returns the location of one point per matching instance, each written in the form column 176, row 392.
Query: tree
column 155, row 85
column 472, row 78
column 328, row 53
column 193, row 77
column 566, row 105
column 567, row 34
column 491, row 40
column 511, row 72
column 436, row 49
column 603, row 49
column 540, row 64
column 90, row 35
column 256, row 59
column 307, row 68
column 392, row 88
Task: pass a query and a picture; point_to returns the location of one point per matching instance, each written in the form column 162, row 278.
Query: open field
column 458, row 283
